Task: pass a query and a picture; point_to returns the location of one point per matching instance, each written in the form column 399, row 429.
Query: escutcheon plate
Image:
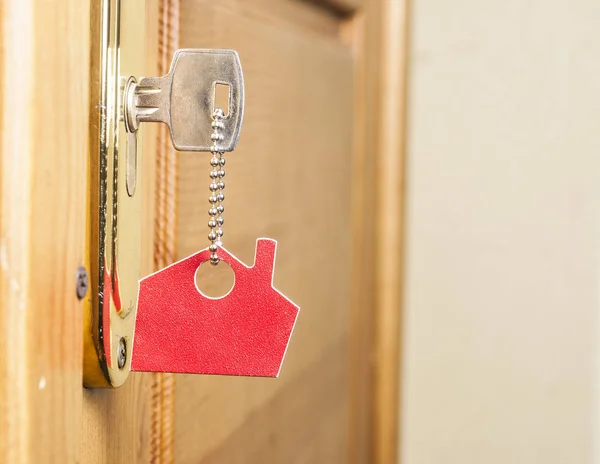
column 114, row 195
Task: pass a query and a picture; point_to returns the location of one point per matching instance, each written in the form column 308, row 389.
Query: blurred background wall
column 501, row 318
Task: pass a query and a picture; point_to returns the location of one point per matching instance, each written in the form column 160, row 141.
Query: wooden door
column 318, row 168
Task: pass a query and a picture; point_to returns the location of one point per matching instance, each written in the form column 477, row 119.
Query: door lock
column 184, row 100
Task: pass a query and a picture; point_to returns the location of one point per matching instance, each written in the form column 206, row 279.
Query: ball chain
column 216, row 186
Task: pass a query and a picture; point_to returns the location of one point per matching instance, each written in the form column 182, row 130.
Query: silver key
column 184, row 99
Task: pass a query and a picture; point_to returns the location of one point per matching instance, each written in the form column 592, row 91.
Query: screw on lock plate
column 184, row 99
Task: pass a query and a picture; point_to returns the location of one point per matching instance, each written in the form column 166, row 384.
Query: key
column 184, row 99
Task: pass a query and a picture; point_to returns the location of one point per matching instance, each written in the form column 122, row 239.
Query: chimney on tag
column 264, row 262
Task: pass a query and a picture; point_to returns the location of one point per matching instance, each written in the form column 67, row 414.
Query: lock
column 184, row 101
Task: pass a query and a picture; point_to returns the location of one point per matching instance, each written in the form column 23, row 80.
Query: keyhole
column 215, row 281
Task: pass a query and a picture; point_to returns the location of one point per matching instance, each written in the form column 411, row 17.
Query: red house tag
column 246, row 332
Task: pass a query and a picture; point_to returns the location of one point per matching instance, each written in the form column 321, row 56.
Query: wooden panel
column 289, row 179
column 43, row 169
column 310, row 399
column 305, row 17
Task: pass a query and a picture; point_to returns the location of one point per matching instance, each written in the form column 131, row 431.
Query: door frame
column 379, row 32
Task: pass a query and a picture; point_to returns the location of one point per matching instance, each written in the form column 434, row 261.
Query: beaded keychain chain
column 217, row 162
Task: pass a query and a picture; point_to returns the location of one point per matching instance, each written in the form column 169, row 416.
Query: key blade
column 152, row 103
column 184, row 98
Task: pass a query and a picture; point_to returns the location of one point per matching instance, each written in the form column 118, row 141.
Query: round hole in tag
column 215, row 281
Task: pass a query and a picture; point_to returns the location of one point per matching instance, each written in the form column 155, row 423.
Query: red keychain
column 246, row 332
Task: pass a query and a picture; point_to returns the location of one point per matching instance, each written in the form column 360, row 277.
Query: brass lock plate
column 114, row 194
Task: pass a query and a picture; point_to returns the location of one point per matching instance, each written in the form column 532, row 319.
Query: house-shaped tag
column 246, row 332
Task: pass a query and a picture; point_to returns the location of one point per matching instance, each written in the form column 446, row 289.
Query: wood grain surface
column 289, row 179
column 43, row 169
